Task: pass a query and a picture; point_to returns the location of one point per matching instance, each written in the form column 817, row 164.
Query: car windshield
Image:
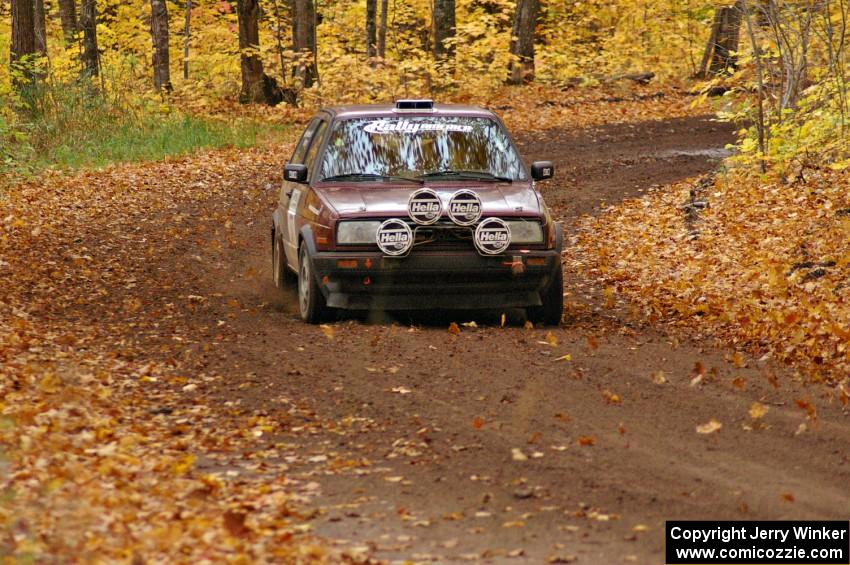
column 452, row 148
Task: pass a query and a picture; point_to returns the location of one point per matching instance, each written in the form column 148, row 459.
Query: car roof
column 390, row 111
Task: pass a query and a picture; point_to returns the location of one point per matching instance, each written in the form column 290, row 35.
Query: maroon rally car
column 415, row 206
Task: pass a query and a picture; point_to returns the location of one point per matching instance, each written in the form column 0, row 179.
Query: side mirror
column 542, row 170
column 295, row 173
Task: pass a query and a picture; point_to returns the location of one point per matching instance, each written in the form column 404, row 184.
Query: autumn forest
column 162, row 401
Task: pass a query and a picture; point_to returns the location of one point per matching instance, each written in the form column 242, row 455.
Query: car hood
column 497, row 199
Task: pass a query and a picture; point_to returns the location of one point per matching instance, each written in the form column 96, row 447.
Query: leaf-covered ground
column 137, row 426
column 760, row 263
column 97, row 457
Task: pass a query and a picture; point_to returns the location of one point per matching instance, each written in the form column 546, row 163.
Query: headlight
column 357, row 233
column 525, row 232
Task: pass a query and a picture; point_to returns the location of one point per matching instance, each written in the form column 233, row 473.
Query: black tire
column 311, row 301
column 552, row 310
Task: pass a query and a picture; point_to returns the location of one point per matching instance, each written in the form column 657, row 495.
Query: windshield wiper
column 470, row 175
column 365, row 177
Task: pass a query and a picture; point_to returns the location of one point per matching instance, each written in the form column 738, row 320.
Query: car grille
column 443, row 236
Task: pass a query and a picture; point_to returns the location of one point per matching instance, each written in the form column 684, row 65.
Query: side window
column 304, row 143
column 310, row 159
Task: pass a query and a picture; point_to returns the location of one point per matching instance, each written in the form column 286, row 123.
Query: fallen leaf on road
column 659, row 378
column 709, row 427
column 586, row 441
column 518, row 455
column 454, row 329
column 758, row 410
column 738, row 360
column 566, row 357
column 401, row 390
column 811, row 410
column 611, row 398
column 469, row 324
column 328, row 331
column 234, row 523
column 561, row 559
column 477, row 422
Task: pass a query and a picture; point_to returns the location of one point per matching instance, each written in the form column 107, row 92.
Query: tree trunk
column 23, row 39
column 522, row 42
column 382, row 31
column 159, row 36
column 186, row 36
column 249, row 46
column 88, row 23
column 68, row 15
column 371, row 28
column 304, row 41
column 720, row 53
column 443, row 24
column 39, row 27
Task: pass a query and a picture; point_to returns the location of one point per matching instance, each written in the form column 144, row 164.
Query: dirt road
column 508, row 444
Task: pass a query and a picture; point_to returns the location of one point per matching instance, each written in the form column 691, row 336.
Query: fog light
column 346, row 263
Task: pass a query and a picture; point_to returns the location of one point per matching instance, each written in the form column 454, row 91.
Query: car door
column 297, row 199
column 290, row 195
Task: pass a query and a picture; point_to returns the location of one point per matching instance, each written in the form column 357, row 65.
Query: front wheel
column 311, row 301
column 551, row 311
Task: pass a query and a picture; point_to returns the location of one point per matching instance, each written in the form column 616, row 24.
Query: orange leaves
column 808, row 407
column 234, row 523
column 328, row 331
column 183, row 465
column 762, row 276
column 454, row 329
column 586, row 441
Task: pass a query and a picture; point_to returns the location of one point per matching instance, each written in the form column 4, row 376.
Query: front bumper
column 459, row 280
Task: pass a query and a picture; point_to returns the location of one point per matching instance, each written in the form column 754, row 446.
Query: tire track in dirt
column 413, row 430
